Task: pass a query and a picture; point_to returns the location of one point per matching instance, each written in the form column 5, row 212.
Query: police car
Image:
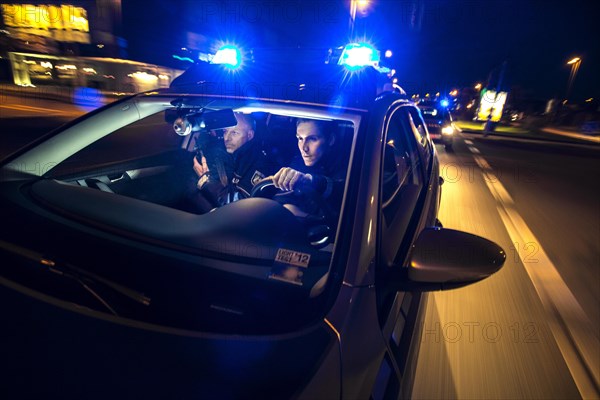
column 439, row 122
column 109, row 287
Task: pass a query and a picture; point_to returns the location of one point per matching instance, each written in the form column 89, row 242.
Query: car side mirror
column 445, row 259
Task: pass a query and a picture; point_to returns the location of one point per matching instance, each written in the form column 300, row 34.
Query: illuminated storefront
column 73, row 44
column 108, row 74
column 90, row 28
column 52, row 29
column 60, row 23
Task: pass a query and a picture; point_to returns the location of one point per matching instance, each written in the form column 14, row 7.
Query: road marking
column 493, row 183
column 483, row 164
column 469, row 142
column 473, row 149
column 568, row 322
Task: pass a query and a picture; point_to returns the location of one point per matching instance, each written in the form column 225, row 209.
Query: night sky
column 437, row 45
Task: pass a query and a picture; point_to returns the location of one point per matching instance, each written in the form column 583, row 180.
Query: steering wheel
column 318, row 230
column 266, row 189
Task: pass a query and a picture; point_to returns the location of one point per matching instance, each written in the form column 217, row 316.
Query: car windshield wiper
column 82, row 276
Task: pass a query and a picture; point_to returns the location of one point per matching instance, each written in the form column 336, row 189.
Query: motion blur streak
column 31, row 109
column 594, row 139
column 568, row 322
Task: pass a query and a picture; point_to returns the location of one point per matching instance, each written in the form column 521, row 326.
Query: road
column 532, row 330
column 18, row 107
column 23, row 119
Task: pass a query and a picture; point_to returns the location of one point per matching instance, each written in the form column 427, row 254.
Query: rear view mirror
column 171, row 115
column 185, row 122
column 219, row 119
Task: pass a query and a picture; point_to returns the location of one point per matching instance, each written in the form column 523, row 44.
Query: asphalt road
column 532, row 330
column 23, row 119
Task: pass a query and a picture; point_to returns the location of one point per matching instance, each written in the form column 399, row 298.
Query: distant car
column 439, row 122
column 110, row 288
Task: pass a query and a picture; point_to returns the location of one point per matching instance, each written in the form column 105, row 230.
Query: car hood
column 54, row 348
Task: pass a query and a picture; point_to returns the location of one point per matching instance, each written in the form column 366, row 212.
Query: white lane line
column 493, row 183
column 568, row 322
column 483, row 164
column 473, row 149
column 469, row 142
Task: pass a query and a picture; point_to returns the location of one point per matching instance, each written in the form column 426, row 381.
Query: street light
column 575, row 63
column 362, row 4
column 354, row 5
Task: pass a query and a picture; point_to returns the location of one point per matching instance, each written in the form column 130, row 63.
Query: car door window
column 401, row 181
column 419, row 128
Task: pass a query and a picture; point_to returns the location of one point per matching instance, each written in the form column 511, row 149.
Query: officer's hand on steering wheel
column 289, row 179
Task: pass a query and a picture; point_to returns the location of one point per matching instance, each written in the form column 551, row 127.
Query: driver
column 247, row 163
column 316, row 170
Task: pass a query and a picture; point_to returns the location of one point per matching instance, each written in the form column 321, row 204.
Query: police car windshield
column 220, row 193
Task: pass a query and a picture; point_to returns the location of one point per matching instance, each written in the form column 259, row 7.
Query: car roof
column 303, row 78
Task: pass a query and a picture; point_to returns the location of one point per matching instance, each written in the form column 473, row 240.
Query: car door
column 402, row 184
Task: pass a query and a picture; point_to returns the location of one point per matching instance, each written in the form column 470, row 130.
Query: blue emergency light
column 358, row 55
column 229, row 56
column 444, row 103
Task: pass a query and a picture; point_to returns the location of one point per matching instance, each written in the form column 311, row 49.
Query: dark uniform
column 250, row 165
column 328, row 183
column 231, row 176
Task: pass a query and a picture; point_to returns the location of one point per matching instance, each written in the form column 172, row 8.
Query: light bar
column 228, row 56
column 358, row 55
column 175, row 56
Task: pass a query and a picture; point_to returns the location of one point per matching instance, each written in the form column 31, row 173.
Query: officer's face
column 236, row 136
column 311, row 142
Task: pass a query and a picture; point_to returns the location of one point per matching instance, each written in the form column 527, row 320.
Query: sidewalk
column 547, row 133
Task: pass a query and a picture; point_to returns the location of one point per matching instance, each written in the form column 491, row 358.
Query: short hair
column 326, row 128
column 247, row 118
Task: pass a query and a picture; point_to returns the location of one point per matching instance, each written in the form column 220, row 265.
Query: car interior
column 138, row 194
